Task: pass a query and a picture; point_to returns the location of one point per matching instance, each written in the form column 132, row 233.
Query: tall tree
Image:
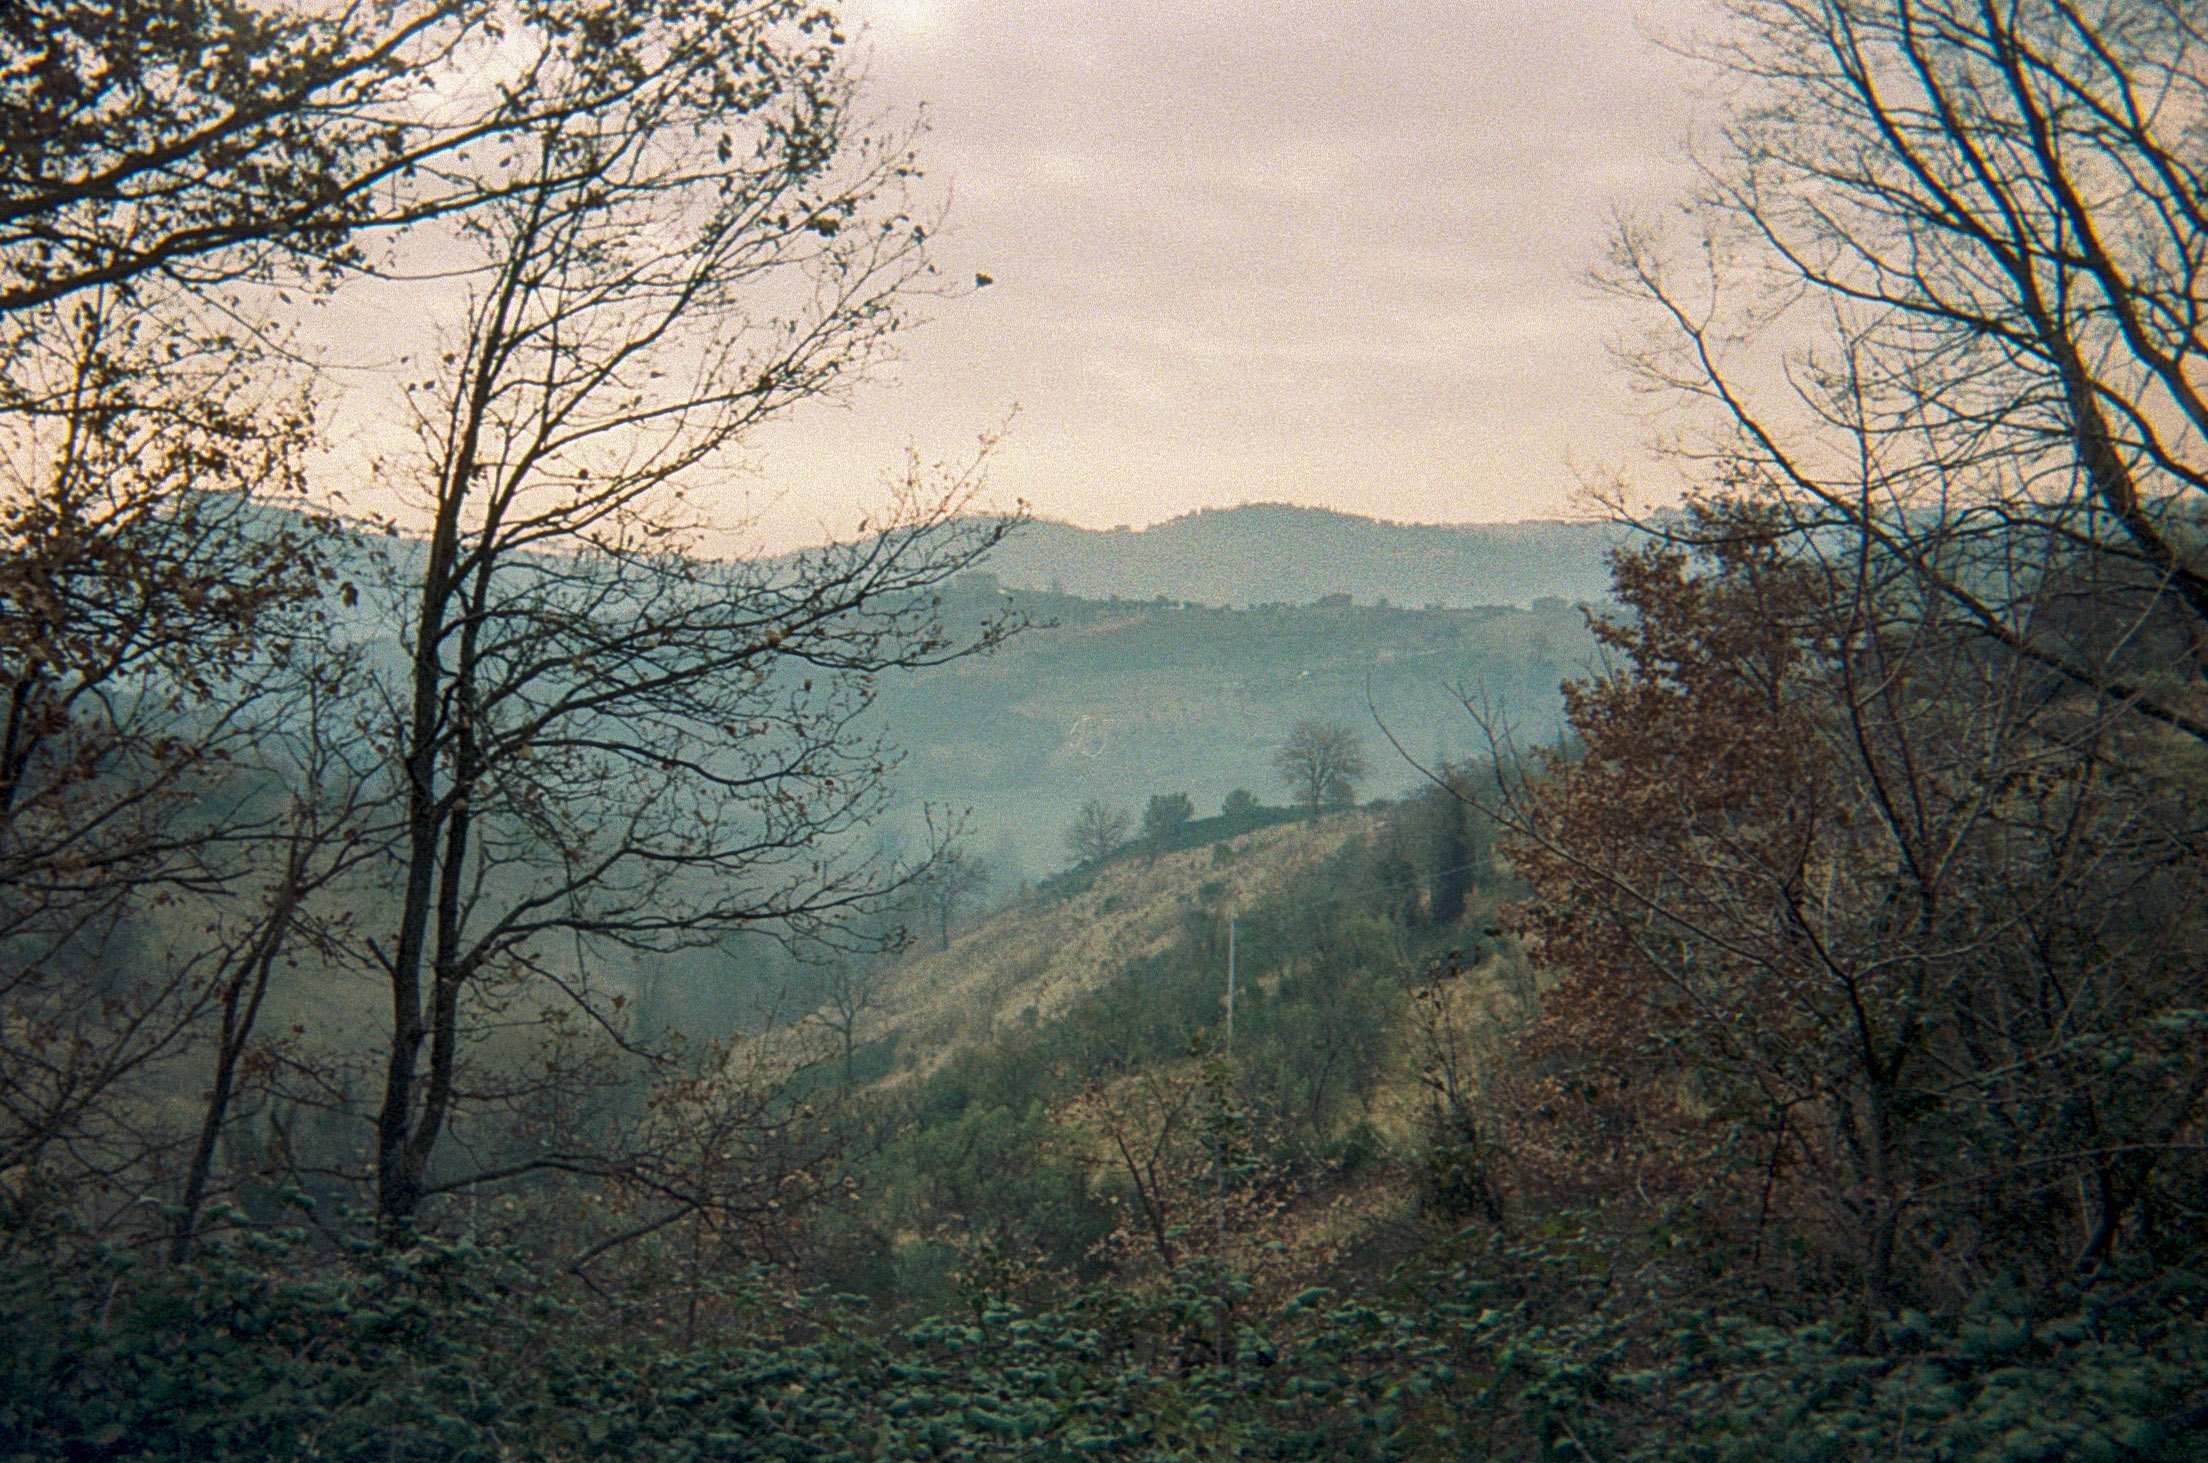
column 608, row 742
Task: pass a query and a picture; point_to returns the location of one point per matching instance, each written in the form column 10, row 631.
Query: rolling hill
column 1120, row 699
column 1266, row 553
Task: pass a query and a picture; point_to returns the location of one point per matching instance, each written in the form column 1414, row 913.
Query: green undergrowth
column 1488, row 1348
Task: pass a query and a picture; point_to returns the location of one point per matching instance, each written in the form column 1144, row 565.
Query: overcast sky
column 1320, row 252
column 1327, row 253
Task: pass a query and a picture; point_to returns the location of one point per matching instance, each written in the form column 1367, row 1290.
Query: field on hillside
column 1117, row 700
column 1026, row 962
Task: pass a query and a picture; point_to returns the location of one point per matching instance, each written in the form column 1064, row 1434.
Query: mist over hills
column 1179, row 658
column 1275, row 553
column 1117, row 700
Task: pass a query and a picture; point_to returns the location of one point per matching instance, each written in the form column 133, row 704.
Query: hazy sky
column 1329, row 253
column 1319, row 252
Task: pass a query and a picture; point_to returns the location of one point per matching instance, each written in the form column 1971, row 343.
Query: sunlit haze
column 1324, row 253
column 1330, row 254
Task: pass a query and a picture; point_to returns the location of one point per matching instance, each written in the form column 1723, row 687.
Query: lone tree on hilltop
column 1096, row 831
column 1320, row 763
column 1167, row 811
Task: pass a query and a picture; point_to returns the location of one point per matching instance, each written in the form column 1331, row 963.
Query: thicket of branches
column 1870, row 879
column 252, row 755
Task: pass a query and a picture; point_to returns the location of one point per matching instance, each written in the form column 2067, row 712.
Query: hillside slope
column 1117, row 700
column 1024, row 963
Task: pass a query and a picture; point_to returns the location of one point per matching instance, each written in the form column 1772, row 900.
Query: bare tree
column 851, row 991
column 153, row 650
column 723, row 1166
column 331, row 825
column 947, row 885
column 1320, row 763
column 1096, row 831
column 113, row 1012
column 1949, row 300
column 1148, row 1128
column 607, row 742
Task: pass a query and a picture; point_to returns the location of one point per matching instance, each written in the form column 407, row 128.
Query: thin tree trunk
column 241, row 1008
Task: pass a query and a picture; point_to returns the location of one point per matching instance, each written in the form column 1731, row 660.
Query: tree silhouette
column 1167, row 811
column 1320, row 763
column 1096, row 831
column 608, row 743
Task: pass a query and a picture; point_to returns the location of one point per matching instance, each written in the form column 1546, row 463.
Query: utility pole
column 1225, row 1347
column 1230, row 987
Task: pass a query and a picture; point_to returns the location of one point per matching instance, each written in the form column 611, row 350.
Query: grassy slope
column 1027, row 960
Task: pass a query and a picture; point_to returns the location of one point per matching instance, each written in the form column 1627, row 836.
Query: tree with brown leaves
column 1865, row 931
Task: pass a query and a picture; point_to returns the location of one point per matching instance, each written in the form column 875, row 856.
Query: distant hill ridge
column 1277, row 553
